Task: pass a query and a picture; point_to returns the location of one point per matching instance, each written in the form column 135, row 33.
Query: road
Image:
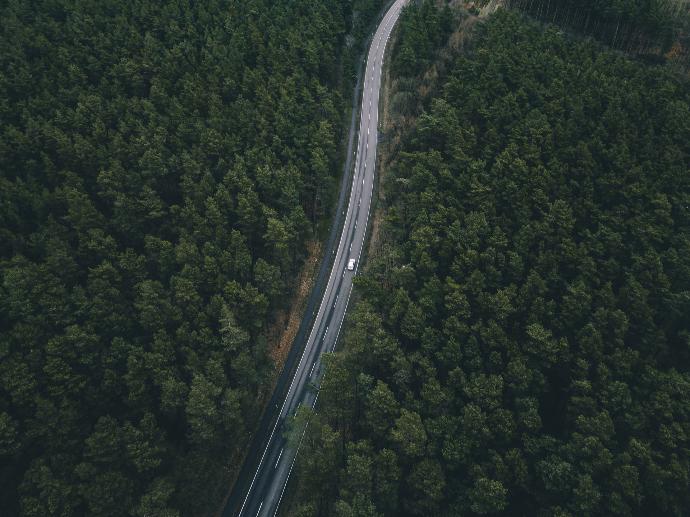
column 265, row 491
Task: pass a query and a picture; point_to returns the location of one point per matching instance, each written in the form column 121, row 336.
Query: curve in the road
column 268, row 481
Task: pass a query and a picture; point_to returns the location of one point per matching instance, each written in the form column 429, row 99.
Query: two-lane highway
column 265, row 491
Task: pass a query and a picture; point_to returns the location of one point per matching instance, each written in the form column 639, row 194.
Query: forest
column 163, row 165
column 520, row 342
column 641, row 26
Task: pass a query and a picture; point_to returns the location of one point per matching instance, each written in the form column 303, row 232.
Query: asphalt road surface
column 265, row 491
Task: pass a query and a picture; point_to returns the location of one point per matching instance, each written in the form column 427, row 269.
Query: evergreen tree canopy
column 162, row 166
column 522, row 342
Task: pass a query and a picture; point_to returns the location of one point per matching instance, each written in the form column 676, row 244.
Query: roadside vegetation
column 163, row 165
column 521, row 343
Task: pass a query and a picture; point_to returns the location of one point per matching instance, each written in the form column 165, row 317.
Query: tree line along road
column 260, row 486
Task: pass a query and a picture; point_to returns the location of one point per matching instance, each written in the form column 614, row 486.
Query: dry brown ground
column 282, row 332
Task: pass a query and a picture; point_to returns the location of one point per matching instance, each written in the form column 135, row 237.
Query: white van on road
column 351, row 264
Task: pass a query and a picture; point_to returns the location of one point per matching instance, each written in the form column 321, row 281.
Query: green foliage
column 521, row 346
column 423, row 30
column 163, row 164
column 634, row 25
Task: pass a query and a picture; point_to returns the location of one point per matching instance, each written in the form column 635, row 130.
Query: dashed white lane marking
column 392, row 17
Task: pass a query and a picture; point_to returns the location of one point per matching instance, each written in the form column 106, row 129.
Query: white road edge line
column 393, row 13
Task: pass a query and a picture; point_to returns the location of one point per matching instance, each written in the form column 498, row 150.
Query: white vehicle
column 351, row 264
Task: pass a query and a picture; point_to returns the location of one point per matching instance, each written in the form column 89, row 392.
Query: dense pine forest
column 162, row 165
column 633, row 25
column 521, row 341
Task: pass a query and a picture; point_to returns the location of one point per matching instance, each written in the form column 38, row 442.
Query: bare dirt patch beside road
column 282, row 332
